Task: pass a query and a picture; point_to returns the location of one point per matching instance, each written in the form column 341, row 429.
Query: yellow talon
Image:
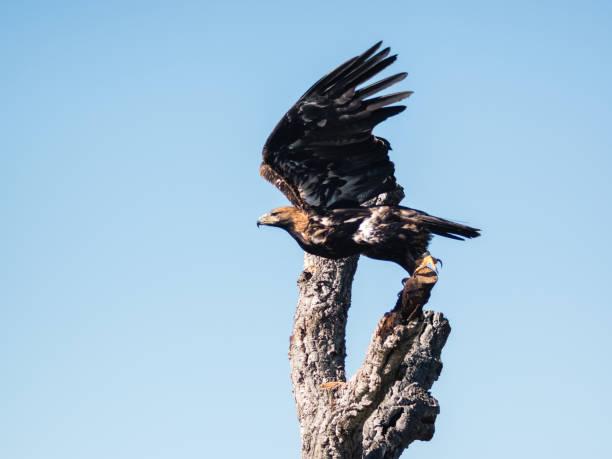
column 426, row 262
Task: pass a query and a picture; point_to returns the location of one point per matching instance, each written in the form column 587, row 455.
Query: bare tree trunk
column 386, row 405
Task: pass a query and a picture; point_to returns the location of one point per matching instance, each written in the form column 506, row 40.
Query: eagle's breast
column 372, row 228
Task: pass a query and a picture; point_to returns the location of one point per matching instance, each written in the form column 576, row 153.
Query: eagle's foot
column 428, row 262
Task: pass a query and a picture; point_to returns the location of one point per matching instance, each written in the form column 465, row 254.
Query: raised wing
column 322, row 153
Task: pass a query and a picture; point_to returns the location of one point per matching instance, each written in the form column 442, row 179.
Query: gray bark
column 386, row 405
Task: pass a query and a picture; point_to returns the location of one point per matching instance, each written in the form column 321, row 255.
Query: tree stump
column 386, row 405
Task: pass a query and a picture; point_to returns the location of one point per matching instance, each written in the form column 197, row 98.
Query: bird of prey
column 324, row 158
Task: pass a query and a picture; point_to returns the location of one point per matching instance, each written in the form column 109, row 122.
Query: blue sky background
column 143, row 315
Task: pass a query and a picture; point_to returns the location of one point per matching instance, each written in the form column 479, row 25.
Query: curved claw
column 427, row 262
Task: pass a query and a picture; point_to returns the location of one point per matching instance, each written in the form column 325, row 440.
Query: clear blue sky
column 143, row 315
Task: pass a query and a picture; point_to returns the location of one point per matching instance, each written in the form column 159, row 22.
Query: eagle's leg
column 426, row 261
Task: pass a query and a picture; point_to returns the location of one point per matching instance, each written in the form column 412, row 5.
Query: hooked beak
column 270, row 219
column 263, row 220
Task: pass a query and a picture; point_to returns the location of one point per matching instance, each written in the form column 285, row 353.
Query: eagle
column 323, row 157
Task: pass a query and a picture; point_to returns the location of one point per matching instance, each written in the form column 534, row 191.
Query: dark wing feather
column 322, row 153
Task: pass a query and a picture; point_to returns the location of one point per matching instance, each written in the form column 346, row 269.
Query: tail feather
column 447, row 228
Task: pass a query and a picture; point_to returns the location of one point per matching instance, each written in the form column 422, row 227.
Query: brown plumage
column 324, row 158
column 391, row 233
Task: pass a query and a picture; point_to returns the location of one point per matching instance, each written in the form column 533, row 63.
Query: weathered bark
column 386, row 405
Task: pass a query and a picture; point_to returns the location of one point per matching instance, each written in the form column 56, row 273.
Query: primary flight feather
column 324, row 158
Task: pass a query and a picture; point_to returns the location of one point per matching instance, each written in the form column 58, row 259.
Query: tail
column 447, row 228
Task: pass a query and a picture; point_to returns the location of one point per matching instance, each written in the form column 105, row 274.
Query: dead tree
column 386, row 405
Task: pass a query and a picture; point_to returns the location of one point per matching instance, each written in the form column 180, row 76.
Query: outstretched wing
column 322, row 153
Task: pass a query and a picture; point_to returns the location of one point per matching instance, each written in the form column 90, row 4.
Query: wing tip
column 371, row 50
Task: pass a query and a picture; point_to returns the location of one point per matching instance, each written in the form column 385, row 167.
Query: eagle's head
column 284, row 217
